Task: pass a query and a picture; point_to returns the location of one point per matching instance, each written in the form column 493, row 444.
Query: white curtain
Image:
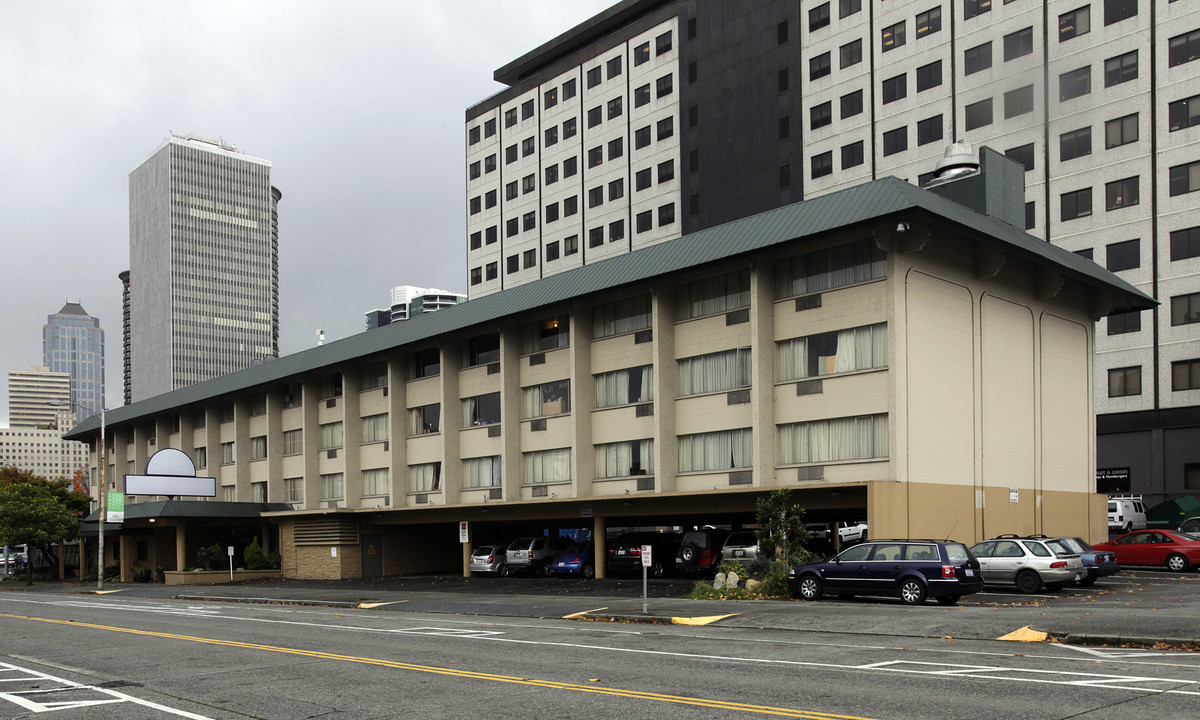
column 622, row 387
column 861, row 348
column 713, row 295
column 715, row 372
column 853, row 438
column 425, row 478
column 331, row 486
column 722, row 450
column 625, row 458
column 375, row 481
column 621, row 316
column 548, row 466
column 830, row 268
column 425, row 419
column 481, row 472
column 375, row 428
column 331, row 436
column 547, row 399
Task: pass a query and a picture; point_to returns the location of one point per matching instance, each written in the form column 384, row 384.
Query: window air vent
column 645, row 410
column 812, row 472
column 537, row 359
column 385, row 389
column 811, row 387
column 643, row 336
column 541, row 491
column 539, row 424
column 494, row 369
column 808, row 302
column 326, row 531
column 742, row 477
column 386, row 445
column 737, row 317
column 494, row 431
column 331, row 454
column 496, row 494
column 331, row 403
column 737, row 397
column 420, row 499
column 645, row 483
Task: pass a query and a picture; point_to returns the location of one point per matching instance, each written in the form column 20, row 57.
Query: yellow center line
column 551, row 684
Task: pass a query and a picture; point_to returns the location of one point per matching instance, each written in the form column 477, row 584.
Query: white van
column 1126, row 512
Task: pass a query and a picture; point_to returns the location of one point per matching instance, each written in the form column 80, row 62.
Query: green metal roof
column 191, row 509
column 857, row 206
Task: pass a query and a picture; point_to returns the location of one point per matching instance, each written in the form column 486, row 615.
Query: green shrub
column 211, row 557
column 141, row 573
column 112, row 572
column 256, row 559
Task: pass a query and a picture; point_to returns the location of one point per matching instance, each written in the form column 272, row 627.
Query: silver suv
column 534, row 555
column 1028, row 562
column 740, row 547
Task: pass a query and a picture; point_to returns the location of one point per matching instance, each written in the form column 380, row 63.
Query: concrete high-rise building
column 204, row 273
column 127, row 380
column 409, row 301
column 43, row 452
column 72, row 342
column 658, row 118
column 30, row 393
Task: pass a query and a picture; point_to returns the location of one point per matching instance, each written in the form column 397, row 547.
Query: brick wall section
column 317, row 560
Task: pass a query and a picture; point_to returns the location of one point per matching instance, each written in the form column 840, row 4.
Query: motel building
column 908, row 356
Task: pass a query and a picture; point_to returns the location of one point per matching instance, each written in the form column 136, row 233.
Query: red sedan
column 1177, row 551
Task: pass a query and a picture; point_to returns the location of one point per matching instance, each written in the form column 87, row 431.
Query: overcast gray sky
column 358, row 105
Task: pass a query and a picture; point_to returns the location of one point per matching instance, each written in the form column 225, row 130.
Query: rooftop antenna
column 320, row 338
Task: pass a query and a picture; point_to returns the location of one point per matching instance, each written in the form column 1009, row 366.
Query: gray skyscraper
column 73, row 343
column 204, row 271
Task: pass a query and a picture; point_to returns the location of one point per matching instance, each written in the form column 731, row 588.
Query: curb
column 1135, row 640
column 268, row 601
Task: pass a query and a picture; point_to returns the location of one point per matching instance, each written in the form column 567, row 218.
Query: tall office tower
column 662, row 117
column 43, row 452
column 204, row 272
column 72, row 342
column 30, row 393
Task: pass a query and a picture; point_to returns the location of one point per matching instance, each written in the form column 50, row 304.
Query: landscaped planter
column 216, row 577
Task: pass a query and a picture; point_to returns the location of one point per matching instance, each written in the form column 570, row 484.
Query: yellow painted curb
column 372, row 606
column 703, row 620
column 107, row 592
column 581, row 613
column 1025, row 634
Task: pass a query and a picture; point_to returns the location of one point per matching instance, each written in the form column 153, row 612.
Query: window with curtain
column 228, row 493
column 331, row 386
column 295, row 489
column 830, row 268
column 548, row 334
column 425, row 478
column 375, row 481
column 374, row 375
column 622, row 459
column 722, row 450
column 547, row 466
column 425, row 420
column 258, row 448
column 624, row 387
column 714, row 372
column 481, row 350
column 481, row 410
column 293, row 442
column 713, row 295
column 552, row 398
column 258, row 405
column 227, row 457
column 375, row 428
column 852, row 438
column 292, row 396
column 331, row 435
column 621, row 316
column 201, row 457
column 481, row 472
column 332, row 486
column 861, row 348
column 258, row 491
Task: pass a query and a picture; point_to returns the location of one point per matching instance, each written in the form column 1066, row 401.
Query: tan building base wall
column 929, row 510
column 215, row 577
column 318, row 562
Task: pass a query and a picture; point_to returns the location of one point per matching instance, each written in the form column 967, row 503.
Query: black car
column 909, row 569
column 625, row 553
column 700, row 551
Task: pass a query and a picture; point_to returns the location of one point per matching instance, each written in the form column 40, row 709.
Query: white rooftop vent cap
column 960, row 159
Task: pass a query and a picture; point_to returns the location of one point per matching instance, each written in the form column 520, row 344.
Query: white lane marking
column 83, row 696
column 1053, row 677
column 444, row 632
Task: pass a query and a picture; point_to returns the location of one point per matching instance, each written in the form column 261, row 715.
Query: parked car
column 850, row 532
column 912, row 570
column 740, row 547
column 625, row 553
column 1191, row 526
column 1097, row 563
column 578, row 559
column 17, row 557
column 1028, row 562
column 700, row 551
column 489, row 560
column 534, row 555
column 1175, row 550
column 1126, row 513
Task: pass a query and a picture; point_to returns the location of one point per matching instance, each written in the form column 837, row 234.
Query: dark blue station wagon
column 909, row 569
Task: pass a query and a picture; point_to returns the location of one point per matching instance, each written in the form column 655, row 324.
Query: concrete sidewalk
column 1136, row 607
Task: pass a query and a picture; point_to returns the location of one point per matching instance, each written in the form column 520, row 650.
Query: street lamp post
column 101, row 492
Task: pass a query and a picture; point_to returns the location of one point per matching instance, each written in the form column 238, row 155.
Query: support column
column 128, row 551
column 600, row 544
column 180, row 546
column 83, row 556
